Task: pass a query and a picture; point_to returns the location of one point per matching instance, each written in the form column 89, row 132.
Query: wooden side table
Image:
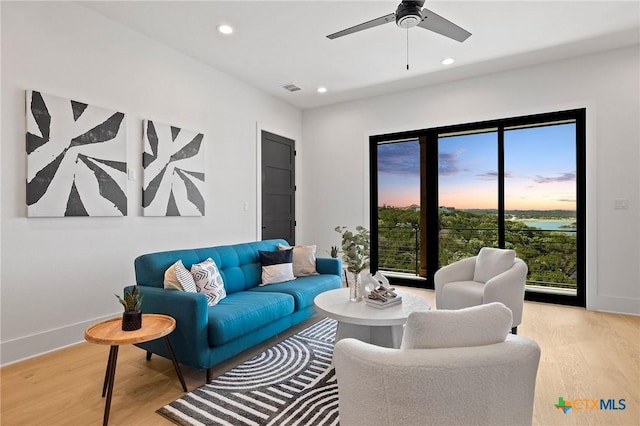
column 109, row 332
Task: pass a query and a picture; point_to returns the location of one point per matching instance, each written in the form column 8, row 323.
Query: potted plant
column 355, row 255
column 132, row 316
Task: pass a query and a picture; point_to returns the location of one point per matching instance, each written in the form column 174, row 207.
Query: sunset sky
column 539, row 168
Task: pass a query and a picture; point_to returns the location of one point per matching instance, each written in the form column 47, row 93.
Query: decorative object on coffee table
column 383, row 296
column 355, row 255
column 379, row 304
column 368, row 283
column 132, row 315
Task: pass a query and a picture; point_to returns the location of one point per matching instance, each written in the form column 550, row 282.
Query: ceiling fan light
column 409, row 14
column 409, row 21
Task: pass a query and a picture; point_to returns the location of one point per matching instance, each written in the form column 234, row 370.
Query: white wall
column 60, row 274
column 607, row 84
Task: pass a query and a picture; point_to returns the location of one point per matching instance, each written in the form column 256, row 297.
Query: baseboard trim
column 617, row 305
column 23, row 348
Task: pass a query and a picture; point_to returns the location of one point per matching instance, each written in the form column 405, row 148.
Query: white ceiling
column 279, row 42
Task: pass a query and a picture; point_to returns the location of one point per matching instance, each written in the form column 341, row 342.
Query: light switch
column 621, row 203
column 246, row 206
column 131, row 174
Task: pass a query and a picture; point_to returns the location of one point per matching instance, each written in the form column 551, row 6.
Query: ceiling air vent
column 291, row 87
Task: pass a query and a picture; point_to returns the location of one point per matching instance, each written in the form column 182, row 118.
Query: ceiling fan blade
column 433, row 22
column 366, row 25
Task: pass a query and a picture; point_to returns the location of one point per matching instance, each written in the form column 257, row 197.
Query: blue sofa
column 250, row 314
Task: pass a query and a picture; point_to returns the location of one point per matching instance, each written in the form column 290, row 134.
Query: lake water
column 549, row 225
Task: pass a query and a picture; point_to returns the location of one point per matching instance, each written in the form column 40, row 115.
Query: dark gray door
column 278, row 188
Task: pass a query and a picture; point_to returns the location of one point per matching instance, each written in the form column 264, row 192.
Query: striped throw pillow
column 178, row 277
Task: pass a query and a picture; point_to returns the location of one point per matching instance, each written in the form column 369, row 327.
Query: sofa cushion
column 242, row 312
column 209, row 281
column 475, row 326
column 303, row 289
column 178, row 277
column 277, row 266
column 491, row 262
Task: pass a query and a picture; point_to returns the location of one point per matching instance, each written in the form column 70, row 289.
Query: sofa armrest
column 329, row 265
column 190, row 310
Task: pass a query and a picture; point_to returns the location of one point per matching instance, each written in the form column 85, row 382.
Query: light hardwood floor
column 585, row 355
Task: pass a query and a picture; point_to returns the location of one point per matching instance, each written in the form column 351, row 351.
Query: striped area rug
column 292, row 383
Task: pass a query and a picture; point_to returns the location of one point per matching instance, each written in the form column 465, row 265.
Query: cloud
column 564, row 177
column 449, row 163
column 491, row 175
column 401, row 158
column 567, row 200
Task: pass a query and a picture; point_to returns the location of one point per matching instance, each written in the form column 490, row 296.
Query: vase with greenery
column 355, row 255
column 132, row 315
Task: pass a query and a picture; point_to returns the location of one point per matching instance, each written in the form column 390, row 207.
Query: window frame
column 428, row 138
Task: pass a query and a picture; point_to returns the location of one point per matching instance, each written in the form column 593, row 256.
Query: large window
column 467, row 193
column 398, row 171
column 439, row 195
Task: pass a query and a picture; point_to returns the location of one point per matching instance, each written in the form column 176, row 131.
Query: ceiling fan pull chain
column 407, row 49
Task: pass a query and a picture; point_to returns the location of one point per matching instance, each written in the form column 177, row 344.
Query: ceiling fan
column 410, row 14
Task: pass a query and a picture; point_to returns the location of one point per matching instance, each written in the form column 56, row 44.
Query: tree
column 550, row 255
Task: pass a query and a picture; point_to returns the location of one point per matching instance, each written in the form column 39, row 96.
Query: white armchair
column 454, row 368
column 494, row 275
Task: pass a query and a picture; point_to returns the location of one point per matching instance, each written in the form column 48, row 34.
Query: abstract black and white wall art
column 173, row 165
column 76, row 158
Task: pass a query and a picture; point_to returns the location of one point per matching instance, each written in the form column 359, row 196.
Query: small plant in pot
column 132, row 316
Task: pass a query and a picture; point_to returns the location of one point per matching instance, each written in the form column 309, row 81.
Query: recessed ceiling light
column 322, row 90
column 225, row 29
column 447, row 61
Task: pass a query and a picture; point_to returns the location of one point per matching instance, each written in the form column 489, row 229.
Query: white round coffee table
column 381, row 327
